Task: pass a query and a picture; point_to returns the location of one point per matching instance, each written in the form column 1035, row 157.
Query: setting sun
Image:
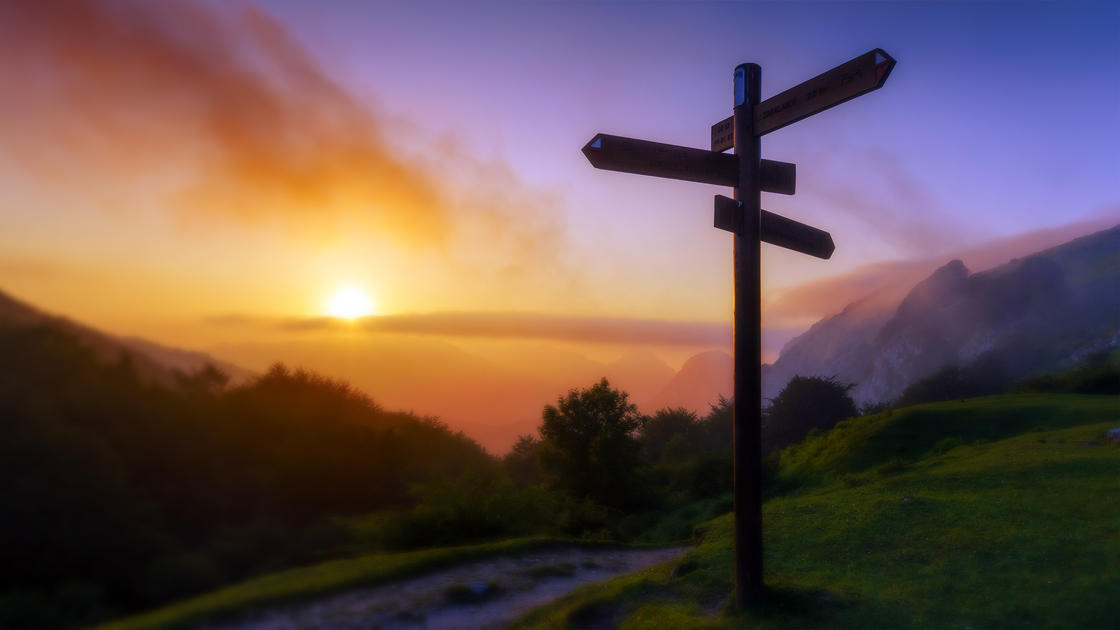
column 349, row 303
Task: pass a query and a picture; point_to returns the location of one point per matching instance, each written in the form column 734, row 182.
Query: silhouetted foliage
column 984, row 376
column 667, row 425
column 1099, row 373
column 589, row 447
column 118, row 495
column 718, row 427
column 521, row 462
column 804, row 404
column 207, row 381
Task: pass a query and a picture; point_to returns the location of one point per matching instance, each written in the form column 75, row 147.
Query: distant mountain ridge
column 698, row 385
column 152, row 361
column 1039, row 312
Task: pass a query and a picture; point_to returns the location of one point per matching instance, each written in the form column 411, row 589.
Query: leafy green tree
column 805, row 403
column 589, row 447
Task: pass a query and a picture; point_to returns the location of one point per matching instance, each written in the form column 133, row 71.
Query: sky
column 202, row 173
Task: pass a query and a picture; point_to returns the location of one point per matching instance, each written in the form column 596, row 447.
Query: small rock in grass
column 684, row 568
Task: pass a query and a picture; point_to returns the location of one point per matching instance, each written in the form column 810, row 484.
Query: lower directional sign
column 615, row 153
column 777, row 230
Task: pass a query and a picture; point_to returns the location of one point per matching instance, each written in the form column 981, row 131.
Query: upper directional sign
column 615, row 153
column 859, row 76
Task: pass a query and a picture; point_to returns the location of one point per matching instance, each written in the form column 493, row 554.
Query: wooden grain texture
column 642, row 157
column 861, row 75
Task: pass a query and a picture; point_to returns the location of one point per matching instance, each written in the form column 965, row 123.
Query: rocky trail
column 488, row 593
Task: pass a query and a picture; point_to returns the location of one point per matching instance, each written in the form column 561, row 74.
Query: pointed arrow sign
column 642, row 157
column 861, row 75
column 776, row 229
column 615, row 153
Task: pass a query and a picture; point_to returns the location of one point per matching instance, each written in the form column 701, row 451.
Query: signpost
column 749, row 175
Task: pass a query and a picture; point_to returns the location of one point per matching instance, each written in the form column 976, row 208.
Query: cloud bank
column 613, row 330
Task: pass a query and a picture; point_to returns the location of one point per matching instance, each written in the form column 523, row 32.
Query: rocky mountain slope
column 1040, row 312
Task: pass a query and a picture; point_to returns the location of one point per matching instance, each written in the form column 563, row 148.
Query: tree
column 717, row 429
column 521, row 461
column 805, row 403
column 588, row 445
column 664, row 426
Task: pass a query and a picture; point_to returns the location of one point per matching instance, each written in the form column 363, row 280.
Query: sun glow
column 350, row 302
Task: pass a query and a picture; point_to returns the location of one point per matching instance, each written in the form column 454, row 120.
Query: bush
column 946, row 445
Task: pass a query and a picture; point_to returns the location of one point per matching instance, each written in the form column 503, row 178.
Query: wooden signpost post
column 749, row 175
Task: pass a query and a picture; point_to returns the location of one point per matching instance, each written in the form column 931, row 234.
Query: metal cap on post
column 748, row 347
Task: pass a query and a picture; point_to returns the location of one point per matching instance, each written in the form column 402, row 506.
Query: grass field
column 999, row 512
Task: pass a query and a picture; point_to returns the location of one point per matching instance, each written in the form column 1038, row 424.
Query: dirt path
column 484, row 594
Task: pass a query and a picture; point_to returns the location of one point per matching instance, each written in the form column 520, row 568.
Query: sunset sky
column 200, row 173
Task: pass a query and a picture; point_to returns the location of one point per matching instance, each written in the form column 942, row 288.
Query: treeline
column 117, row 495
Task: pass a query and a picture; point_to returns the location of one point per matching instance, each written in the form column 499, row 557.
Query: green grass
column 323, row 579
column 911, row 434
column 1020, row 531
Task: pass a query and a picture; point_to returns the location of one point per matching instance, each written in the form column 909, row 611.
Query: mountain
column 1041, row 312
column 640, row 373
column 152, row 361
column 702, row 380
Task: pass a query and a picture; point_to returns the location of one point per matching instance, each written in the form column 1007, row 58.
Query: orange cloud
column 219, row 110
column 614, row 330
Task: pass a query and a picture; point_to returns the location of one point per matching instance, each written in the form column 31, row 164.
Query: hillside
column 995, row 512
column 118, row 494
column 152, row 361
column 1042, row 312
column 1015, row 529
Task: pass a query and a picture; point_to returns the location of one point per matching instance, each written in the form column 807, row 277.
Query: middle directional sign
column 642, row 157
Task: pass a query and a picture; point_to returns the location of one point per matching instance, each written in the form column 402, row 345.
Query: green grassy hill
column 998, row 512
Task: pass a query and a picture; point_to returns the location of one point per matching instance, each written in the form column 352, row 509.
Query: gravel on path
column 483, row 594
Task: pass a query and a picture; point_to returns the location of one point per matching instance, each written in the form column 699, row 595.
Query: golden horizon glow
column 350, row 303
